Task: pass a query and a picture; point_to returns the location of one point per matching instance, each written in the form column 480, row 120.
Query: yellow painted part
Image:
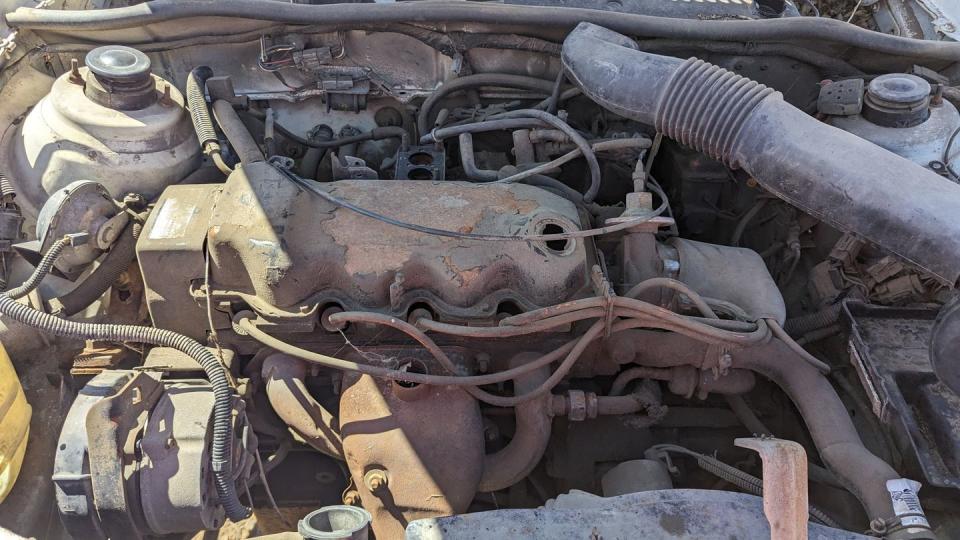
column 14, row 424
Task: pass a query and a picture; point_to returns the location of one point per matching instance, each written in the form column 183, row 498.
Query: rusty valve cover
column 286, row 251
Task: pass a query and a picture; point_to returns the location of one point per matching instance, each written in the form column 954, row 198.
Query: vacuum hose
column 223, row 394
column 833, row 175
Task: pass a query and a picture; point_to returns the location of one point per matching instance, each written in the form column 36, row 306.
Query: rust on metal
column 784, row 485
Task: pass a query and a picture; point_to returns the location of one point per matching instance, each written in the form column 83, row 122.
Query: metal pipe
column 514, row 462
column 288, row 395
column 833, row 175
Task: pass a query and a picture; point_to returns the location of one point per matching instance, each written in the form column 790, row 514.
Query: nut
column 351, row 497
column 375, row 480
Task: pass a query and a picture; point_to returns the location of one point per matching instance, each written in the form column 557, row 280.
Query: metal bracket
column 785, row 501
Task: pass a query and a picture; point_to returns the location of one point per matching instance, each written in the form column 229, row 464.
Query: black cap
column 116, row 63
column 897, row 100
column 119, row 77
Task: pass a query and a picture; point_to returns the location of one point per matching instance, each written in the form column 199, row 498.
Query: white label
column 906, row 502
column 172, row 220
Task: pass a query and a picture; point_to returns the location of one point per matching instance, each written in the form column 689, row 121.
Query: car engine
column 455, row 269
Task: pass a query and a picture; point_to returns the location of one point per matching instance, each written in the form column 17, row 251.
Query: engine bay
column 445, row 269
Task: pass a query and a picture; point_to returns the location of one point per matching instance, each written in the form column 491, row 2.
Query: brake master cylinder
column 898, row 113
column 112, row 122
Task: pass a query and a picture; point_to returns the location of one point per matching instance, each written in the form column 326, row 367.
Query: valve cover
column 286, row 252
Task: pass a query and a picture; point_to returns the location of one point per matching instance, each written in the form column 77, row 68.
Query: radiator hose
column 833, row 175
column 221, row 445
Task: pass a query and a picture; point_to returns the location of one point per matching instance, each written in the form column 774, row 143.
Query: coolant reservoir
column 14, row 424
column 112, row 122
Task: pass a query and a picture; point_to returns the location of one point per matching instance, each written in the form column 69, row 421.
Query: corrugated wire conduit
column 222, row 440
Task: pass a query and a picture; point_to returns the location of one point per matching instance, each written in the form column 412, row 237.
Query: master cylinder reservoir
column 898, row 113
column 112, row 122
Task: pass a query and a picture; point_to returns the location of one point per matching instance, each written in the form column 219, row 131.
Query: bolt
column 937, row 99
column 75, row 76
column 483, row 362
column 351, row 498
column 165, row 99
column 135, row 202
column 375, row 480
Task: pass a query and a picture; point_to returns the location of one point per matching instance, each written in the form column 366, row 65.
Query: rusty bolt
column 752, row 182
column 351, row 497
column 375, row 480
column 165, row 99
column 75, row 76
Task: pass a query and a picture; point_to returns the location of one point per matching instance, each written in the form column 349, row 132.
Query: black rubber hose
column 469, row 163
column 829, row 65
column 798, row 326
column 114, row 263
column 475, row 81
column 221, row 445
column 835, row 176
column 43, row 268
column 788, row 29
column 375, row 134
column 242, row 142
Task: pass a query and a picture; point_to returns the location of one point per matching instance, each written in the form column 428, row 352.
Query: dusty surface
column 843, row 9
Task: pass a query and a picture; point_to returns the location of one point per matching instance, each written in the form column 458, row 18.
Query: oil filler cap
column 897, row 100
column 119, row 77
